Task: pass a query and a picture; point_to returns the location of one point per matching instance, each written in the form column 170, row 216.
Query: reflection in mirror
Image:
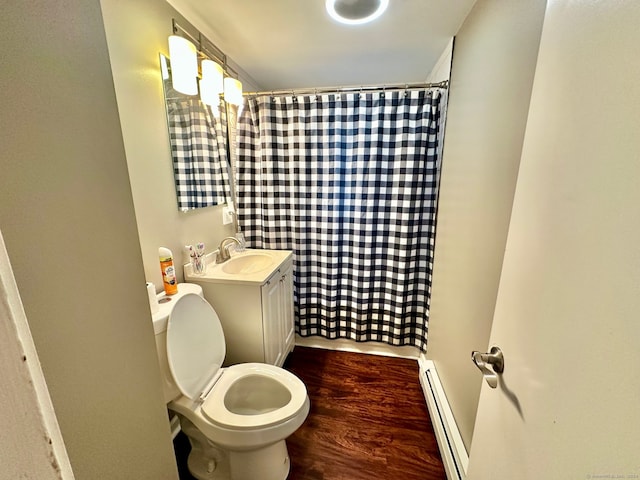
column 198, row 138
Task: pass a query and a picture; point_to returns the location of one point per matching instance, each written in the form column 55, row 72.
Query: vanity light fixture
column 184, row 65
column 211, row 83
column 233, row 91
column 355, row 12
column 184, row 55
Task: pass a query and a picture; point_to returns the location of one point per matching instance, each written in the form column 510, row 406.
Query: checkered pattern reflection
column 199, row 151
column 349, row 183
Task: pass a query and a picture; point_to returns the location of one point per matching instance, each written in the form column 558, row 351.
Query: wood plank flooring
column 368, row 420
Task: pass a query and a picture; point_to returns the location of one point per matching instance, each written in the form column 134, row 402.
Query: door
column 567, row 316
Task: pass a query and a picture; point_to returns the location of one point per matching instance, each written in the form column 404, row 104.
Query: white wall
column 68, row 222
column 494, row 58
column 441, row 71
column 137, row 33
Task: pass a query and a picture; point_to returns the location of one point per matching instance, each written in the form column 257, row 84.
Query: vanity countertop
column 219, row 273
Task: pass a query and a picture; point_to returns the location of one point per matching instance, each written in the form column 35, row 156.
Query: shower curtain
column 348, row 181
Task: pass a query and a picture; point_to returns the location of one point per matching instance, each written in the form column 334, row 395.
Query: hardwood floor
column 368, row 420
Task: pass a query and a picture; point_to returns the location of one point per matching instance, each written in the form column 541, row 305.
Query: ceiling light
column 356, row 12
column 184, row 65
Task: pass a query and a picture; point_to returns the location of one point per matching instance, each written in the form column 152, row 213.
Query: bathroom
column 82, row 222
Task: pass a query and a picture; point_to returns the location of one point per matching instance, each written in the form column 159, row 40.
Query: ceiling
column 286, row 44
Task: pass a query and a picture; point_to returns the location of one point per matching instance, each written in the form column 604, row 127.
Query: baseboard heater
column 452, row 449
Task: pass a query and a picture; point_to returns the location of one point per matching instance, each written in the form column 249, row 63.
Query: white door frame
column 31, row 438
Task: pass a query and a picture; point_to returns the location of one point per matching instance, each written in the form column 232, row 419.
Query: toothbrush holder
column 199, row 265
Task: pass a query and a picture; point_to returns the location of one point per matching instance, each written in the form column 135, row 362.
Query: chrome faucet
column 223, row 250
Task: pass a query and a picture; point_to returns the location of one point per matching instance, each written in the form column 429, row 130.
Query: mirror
column 198, row 142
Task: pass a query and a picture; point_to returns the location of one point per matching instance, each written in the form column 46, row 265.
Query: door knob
column 490, row 364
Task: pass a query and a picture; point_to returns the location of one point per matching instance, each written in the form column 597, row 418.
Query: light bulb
column 184, row 65
column 211, row 84
column 233, row 91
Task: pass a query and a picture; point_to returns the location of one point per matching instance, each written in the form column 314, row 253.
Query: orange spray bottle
column 169, row 279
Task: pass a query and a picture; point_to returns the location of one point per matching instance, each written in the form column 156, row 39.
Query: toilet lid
column 195, row 344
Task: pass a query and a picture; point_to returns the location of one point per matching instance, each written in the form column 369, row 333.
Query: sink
column 250, row 267
column 247, row 263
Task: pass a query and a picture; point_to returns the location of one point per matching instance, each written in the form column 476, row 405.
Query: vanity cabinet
column 256, row 311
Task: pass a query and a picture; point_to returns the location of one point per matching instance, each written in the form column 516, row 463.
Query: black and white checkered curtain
column 199, row 152
column 349, row 183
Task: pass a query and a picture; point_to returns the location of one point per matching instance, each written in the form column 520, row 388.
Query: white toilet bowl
column 236, row 418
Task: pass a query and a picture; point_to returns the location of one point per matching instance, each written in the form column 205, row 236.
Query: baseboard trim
column 371, row 348
column 452, row 449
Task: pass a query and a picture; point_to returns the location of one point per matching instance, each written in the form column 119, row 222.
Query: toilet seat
column 248, row 396
column 281, row 394
column 195, row 344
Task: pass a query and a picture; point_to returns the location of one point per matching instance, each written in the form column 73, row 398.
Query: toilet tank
column 160, row 318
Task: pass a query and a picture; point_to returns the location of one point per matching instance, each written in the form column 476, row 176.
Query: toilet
column 237, row 417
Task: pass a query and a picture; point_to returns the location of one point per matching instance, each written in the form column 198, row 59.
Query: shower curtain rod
column 359, row 88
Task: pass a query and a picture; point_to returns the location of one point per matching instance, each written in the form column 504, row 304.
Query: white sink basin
column 251, row 266
column 247, row 263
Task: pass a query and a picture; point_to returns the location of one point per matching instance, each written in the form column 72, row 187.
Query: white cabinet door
column 288, row 327
column 568, row 307
column 277, row 315
column 271, row 319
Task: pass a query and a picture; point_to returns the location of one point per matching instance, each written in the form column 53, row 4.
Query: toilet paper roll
column 153, row 299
